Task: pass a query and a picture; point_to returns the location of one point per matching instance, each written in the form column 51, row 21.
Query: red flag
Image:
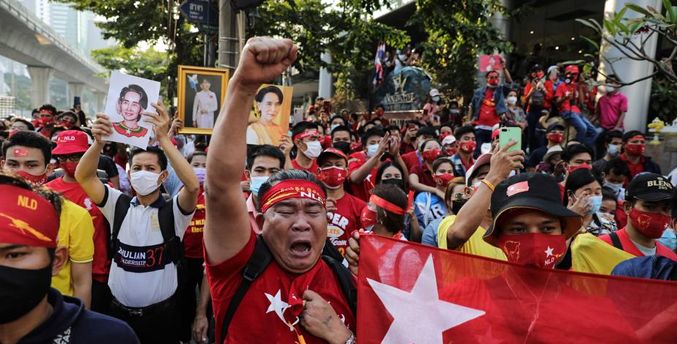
column 410, row 293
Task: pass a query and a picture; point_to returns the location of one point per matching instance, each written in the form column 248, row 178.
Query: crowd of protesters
column 206, row 238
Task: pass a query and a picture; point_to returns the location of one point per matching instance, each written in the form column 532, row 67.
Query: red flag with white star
column 410, row 293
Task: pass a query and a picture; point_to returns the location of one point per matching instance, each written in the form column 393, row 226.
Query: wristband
column 489, row 185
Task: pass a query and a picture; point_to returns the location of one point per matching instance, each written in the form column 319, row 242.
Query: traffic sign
column 208, row 27
column 200, row 11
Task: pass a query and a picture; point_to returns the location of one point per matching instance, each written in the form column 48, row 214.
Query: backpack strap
column 346, row 281
column 616, row 240
column 255, row 266
column 121, row 208
column 172, row 244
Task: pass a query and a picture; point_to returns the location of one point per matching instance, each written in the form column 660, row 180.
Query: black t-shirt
column 537, row 156
column 107, row 164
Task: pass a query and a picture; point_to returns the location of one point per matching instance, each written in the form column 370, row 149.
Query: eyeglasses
column 70, row 157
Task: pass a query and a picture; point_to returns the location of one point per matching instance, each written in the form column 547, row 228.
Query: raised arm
column 363, row 171
column 85, row 173
column 227, row 227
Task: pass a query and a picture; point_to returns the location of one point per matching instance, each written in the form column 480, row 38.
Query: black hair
column 136, row 89
column 161, row 157
column 439, row 161
column 34, row 111
column 48, row 107
column 301, row 127
column 463, row 130
column 264, row 150
column 374, row 131
column 425, row 143
column 630, row 134
column 384, row 166
column 392, row 222
column 393, row 127
column 269, row 89
column 285, row 175
column 491, row 72
column 68, row 113
column 339, row 117
column 30, row 139
column 577, row 179
column 570, row 151
column 608, row 194
column 196, row 153
column 411, row 121
column 429, row 131
column 340, row 128
column 610, row 135
column 612, row 77
column 618, row 167
column 30, row 125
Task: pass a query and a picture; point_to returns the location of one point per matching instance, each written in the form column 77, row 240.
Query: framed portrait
column 200, row 97
column 269, row 118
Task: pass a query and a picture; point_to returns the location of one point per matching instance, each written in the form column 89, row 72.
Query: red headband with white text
column 292, row 188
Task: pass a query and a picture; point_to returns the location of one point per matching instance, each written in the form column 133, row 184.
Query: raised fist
column 262, row 60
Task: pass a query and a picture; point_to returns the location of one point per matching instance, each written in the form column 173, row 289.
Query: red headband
column 292, row 188
column 26, row 218
column 307, row 133
column 636, row 137
column 47, row 112
column 391, row 207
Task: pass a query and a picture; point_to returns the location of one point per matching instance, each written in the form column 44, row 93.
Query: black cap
column 649, row 187
column 552, row 127
column 531, row 191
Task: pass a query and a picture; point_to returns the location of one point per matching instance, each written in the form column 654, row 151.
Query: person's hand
column 200, row 327
column 177, row 125
column 394, row 146
column 286, row 144
column 262, row 60
column 320, row 319
column 203, row 111
column 102, row 126
column 581, row 206
column 503, row 162
column 244, row 185
column 331, row 205
column 353, row 252
column 383, row 145
column 194, row 123
column 159, row 120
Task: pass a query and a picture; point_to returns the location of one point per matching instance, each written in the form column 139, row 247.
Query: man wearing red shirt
column 413, row 158
column 566, row 98
column 634, row 144
column 71, row 145
column 297, row 297
column 612, row 106
column 648, row 203
column 308, row 146
column 487, row 106
column 409, row 140
column 342, row 221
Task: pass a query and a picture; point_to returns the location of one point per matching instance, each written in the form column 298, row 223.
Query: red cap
column 26, row 218
column 333, row 151
column 71, row 141
column 571, row 69
column 494, row 134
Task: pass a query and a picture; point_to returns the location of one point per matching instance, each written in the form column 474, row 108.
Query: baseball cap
column 484, row 159
column 434, row 92
column 552, row 127
column 536, row 191
column 329, row 152
column 650, row 187
column 71, row 141
column 27, row 218
column 449, row 139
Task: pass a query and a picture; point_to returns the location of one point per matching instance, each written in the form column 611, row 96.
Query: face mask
column 533, row 249
column 468, row 147
column 431, row 155
column 512, row 100
column 436, row 99
column 66, row 124
column 610, row 89
column 21, row 290
column 313, row 150
column 402, row 57
column 454, row 111
column 35, row 180
column 540, row 75
column 144, row 182
column 556, row 138
column 567, row 80
column 613, row 151
column 372, row 149
column 200, row 173
column 574, row 168
column 333, row 126
column 443, row 179
column 615, row 187
column 596, row 203
column 368, row 218
column 256, row 183
column 492, row 82
column 457, row 205
column 397, row 182
column 635, row 148
column 451, row 151
column 651, row 225
column 68, row 168
column 333, row 177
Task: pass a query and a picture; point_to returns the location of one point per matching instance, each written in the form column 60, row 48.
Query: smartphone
column 510, row 133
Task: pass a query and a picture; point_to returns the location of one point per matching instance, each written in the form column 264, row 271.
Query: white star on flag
column 549, row 252
column 277, row 305
column 422, row 307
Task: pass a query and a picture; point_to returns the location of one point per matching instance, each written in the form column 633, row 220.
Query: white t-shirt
column 141, row 273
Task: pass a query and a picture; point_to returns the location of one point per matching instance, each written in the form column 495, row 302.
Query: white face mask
column 372, row 149
column 512, row 100
column 610, row 89
column 313, row 150
column 144, row 182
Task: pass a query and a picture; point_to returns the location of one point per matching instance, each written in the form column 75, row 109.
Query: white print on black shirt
column 140, row 258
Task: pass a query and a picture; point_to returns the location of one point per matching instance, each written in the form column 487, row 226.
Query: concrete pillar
column 325, row 86
column 629, row 70
column 39, row 84
column 74, row 90
column 99, row 98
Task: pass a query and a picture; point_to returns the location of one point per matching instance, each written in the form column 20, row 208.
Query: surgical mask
column 200, row 173
column 533, row 249
column 313, row 150
column 454, row 111
column 21, row 290
column 333, row 126
column 596, row 203
column 613, row 186
column 610, row 89
column 372, row 149
column 613, row 151
column 255, row 184
column 512, row 100
column 436, row 99
column 144, row 182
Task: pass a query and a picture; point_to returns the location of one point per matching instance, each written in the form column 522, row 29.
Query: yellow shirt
column 475, row 245
column 76, row 233
column 591, row 254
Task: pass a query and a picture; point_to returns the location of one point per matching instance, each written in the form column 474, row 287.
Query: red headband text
column 292, row 188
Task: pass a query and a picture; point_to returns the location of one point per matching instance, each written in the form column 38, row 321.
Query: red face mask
column 333, row 177
column 651, row 225
column 368, row 218
column 556, row 138
column 431, row 155
column 635, row 148
column 451, row 151
column 68, row 168
column 35, row 180
column 66, row 124
column 492, row 82
column 574, row 168
column 468, row 147
column 540, row 75
column 535, row 249
column 443, row 179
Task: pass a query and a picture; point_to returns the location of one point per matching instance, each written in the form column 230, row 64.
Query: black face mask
column 21, row 290
column 397, row 182
column 457, row 205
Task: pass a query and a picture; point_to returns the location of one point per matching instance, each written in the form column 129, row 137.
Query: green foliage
column 663, row 101
column 149, row 64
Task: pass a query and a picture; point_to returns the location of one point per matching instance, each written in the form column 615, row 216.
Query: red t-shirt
column 312, row 169
column 406, row 147
column 192, row 239
column 74, row 193
column 275, row 287
column 424, row 175
column 361, row 190
column 635, row 169
column 488, row 116
column 342, row 223
column 411, row 159
column 549, row 93
column 566, row 106
column 630, row 247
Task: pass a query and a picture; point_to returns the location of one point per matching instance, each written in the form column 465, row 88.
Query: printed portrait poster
column 269, row 119
column 490, row 63
column 128, row 98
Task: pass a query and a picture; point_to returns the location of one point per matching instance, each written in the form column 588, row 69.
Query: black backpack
column 537, row 98
column 260, row 260
column 172, row 244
